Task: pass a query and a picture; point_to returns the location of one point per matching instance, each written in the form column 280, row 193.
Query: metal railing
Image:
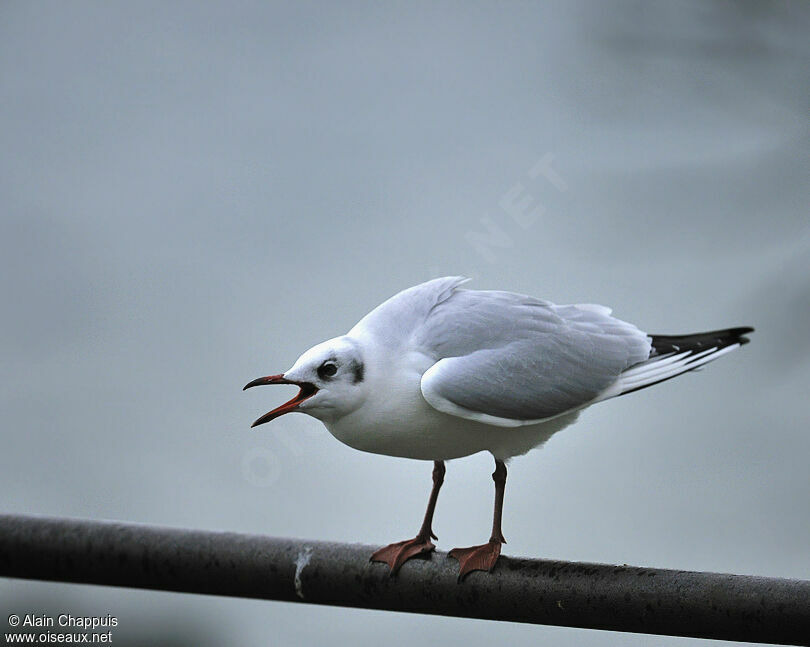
column 596, row 596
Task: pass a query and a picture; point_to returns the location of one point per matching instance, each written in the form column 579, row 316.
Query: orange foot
column 395, row 555
column 476, row 558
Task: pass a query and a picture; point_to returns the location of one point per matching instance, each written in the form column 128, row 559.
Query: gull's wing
column 511, row 360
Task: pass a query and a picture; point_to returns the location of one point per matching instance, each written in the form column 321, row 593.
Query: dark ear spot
column 358, row 370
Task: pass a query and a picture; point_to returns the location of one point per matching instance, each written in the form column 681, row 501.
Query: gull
column 437, row 372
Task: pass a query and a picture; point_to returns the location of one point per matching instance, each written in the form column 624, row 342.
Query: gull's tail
column 672, row 355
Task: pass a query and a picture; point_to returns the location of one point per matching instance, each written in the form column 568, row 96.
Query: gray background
column 194, row 193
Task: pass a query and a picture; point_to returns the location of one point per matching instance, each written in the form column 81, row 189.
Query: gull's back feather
column 395, row 320
column 510, row 360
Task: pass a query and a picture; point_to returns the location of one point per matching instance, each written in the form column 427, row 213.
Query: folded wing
column 511, row 360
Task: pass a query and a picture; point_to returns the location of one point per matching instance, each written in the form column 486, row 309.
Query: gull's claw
column 476, row 558
column 395, row 555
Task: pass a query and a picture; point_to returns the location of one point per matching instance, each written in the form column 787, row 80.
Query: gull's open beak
column 307, row 391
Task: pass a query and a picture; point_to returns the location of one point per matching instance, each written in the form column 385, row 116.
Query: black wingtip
column 699, row 341
column 739, row 332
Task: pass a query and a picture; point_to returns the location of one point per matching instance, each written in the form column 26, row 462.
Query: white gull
column 438, row 372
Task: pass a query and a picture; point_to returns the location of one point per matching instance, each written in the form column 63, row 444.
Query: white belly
column 414, row 429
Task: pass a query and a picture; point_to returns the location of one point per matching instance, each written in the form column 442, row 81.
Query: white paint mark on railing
column 300, row 563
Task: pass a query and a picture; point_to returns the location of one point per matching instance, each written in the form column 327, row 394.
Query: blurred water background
column 193, row 193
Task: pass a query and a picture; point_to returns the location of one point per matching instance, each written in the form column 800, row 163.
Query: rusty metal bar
column 595, row 596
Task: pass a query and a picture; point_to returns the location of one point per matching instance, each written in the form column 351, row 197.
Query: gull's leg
column 483, row 558
column 395, row 555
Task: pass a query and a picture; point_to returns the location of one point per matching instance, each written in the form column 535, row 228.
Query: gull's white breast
column 396, row 420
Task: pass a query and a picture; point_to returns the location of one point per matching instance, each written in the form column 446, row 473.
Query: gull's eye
column 326, row 370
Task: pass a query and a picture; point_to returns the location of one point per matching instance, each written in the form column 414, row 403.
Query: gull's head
column 330, row 378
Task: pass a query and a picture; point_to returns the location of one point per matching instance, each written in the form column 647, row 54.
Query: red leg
column 395, row 555
column 483, row 558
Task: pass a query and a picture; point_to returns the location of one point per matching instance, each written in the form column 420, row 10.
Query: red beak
column 307, row 390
